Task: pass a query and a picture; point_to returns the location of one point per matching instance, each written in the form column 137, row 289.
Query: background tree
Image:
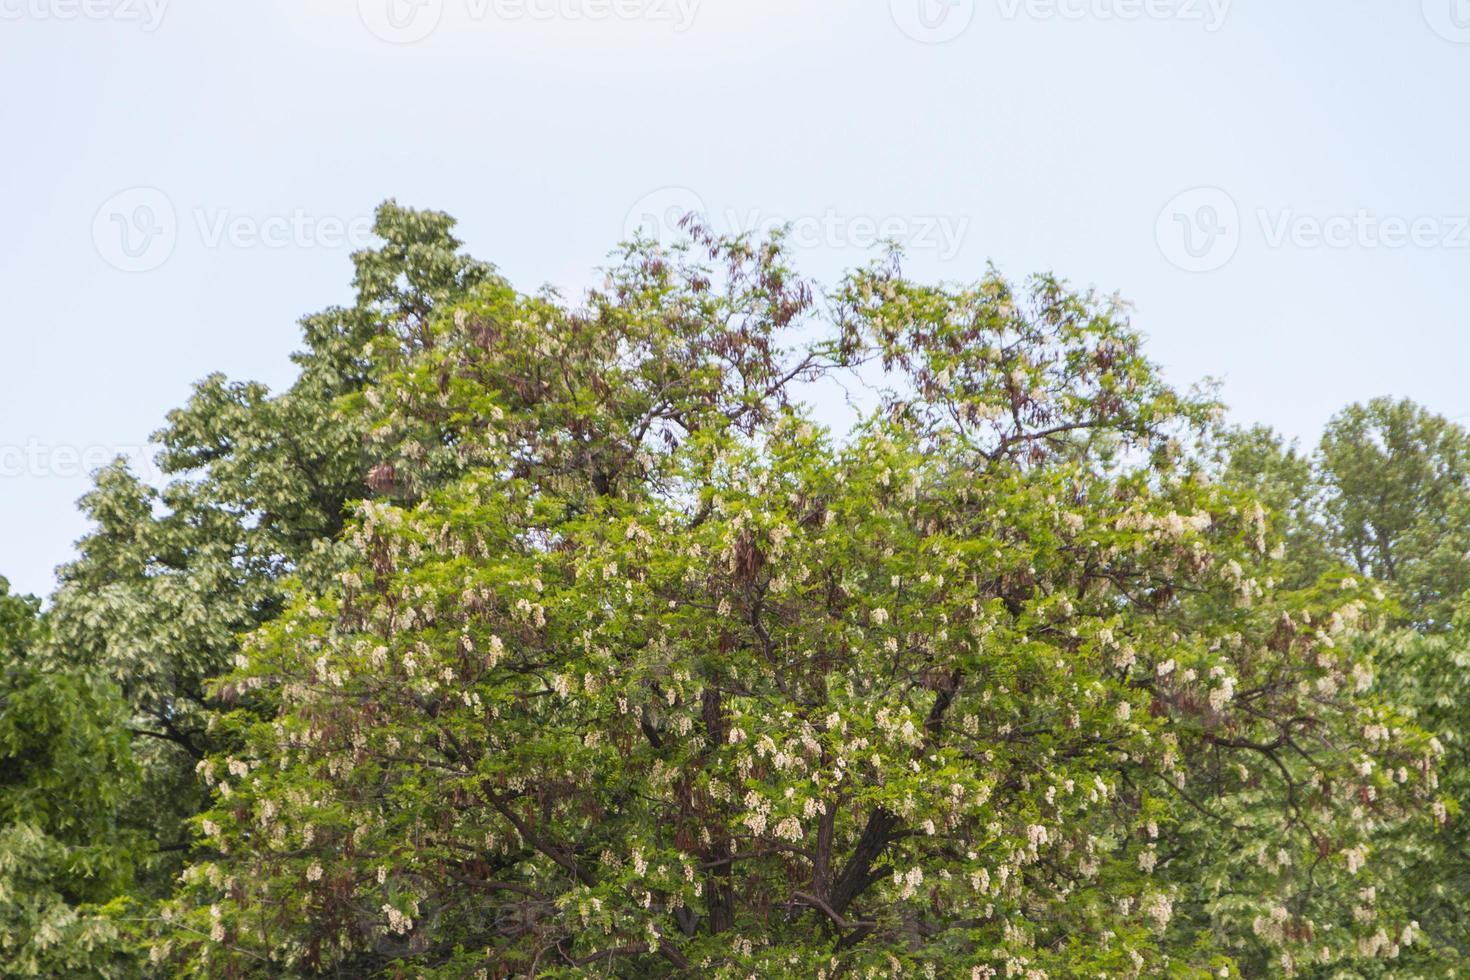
column 1394, row 479
column 1287, row 484
column 258, row 484
column 65, row 769
column 1385, row 496
column 1394, row 483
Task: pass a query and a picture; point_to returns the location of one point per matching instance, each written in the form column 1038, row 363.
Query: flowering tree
column 1385, row 493
column 64, row 770
column 169, row 577
column 632, row 668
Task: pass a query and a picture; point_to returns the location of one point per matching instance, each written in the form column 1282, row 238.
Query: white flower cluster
column 397, row 921
column 1169, row 525
column 1222, row 694
column 789, row 829
column 1160, row 908
column 908, row 882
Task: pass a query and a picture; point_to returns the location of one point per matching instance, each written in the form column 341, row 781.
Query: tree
column 64, row 770
column 170, row 577
column 1287, row 484
column 1385, row 495
column 640, row 671
column 1397, row 503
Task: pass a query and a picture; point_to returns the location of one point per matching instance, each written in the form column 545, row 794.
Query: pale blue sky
column 1307, row 159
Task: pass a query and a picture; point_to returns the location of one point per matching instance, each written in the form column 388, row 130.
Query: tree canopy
column 526, row 637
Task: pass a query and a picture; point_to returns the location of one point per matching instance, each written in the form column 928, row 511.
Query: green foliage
column 1397, row 503
column 1285, row 482
column 20, row 624
column 1429, row 675
column 170, row 577
column 1385, row 495
column 641, row 671
column 519, row 637
column 64, row 771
